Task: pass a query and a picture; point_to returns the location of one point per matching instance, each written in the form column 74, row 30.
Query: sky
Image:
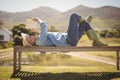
column 60, row 5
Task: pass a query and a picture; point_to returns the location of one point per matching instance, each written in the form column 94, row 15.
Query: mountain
column 103, row 17
column 106, row 16
column 105, row 12
column 19, row 17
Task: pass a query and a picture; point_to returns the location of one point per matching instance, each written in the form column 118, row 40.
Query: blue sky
column 60, row 5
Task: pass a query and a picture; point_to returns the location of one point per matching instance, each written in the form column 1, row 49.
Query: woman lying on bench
column 77, row 26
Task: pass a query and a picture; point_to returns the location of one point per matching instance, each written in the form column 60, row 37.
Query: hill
column 11, row 19
column 106, row 16
column 105, row 12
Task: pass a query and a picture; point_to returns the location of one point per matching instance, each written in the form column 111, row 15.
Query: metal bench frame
column 19, row 49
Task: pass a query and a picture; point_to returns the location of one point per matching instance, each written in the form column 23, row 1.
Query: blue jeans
column 76, row 30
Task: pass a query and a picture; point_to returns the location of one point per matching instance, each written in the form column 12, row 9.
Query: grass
column 55, row 66
column 64, row 69
column 5, row 50
column 59, row 59
column 60, row 73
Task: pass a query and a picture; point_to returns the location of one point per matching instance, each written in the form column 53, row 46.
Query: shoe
column 88, row 19
column 81, row 20
column 92, row 36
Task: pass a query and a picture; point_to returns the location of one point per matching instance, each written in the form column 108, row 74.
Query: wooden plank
column 70, row 49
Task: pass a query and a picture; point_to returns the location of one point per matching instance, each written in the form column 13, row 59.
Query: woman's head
column 28, row 40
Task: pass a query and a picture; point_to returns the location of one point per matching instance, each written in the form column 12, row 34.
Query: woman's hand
column 37, row 19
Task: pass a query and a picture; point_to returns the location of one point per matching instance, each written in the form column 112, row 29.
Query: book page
column 32, row 25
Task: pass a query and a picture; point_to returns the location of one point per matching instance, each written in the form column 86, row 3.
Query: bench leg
column 19, row 61
column 118, row 60
column 14, row 61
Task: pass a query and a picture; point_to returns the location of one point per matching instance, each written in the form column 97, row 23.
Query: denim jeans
column 74, row 33
column 76, row 30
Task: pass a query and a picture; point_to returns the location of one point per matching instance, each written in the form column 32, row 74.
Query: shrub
column 18, row 40
column 17, row 30
column 110, row 33
column 103, row 33
column 53, row 29
column 9, row 44
column 117, row 34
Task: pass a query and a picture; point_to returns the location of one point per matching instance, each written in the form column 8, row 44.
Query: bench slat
column 76, row 49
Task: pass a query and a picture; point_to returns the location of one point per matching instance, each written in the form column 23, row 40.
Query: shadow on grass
column 66, row 76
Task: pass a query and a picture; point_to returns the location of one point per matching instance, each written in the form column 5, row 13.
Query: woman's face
column 32, row 40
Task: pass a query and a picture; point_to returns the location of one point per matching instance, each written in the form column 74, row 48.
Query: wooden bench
column 19, row 49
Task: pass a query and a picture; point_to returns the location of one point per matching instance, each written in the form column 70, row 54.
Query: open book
column 32, row 25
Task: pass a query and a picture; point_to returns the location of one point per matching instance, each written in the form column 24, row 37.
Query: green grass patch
column 28, row 53
column 64, row 69
column 5, row 72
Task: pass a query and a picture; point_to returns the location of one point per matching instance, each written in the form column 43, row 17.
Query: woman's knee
column 76, row 16
column 86, row 25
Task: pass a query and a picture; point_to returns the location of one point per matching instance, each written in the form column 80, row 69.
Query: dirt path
column 6, row 54
column 95, row 58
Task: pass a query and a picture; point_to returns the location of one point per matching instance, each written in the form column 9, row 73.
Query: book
column 32, row 25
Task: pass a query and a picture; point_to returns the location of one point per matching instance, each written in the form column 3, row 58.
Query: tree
column 53, row 29
column 17, row 30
